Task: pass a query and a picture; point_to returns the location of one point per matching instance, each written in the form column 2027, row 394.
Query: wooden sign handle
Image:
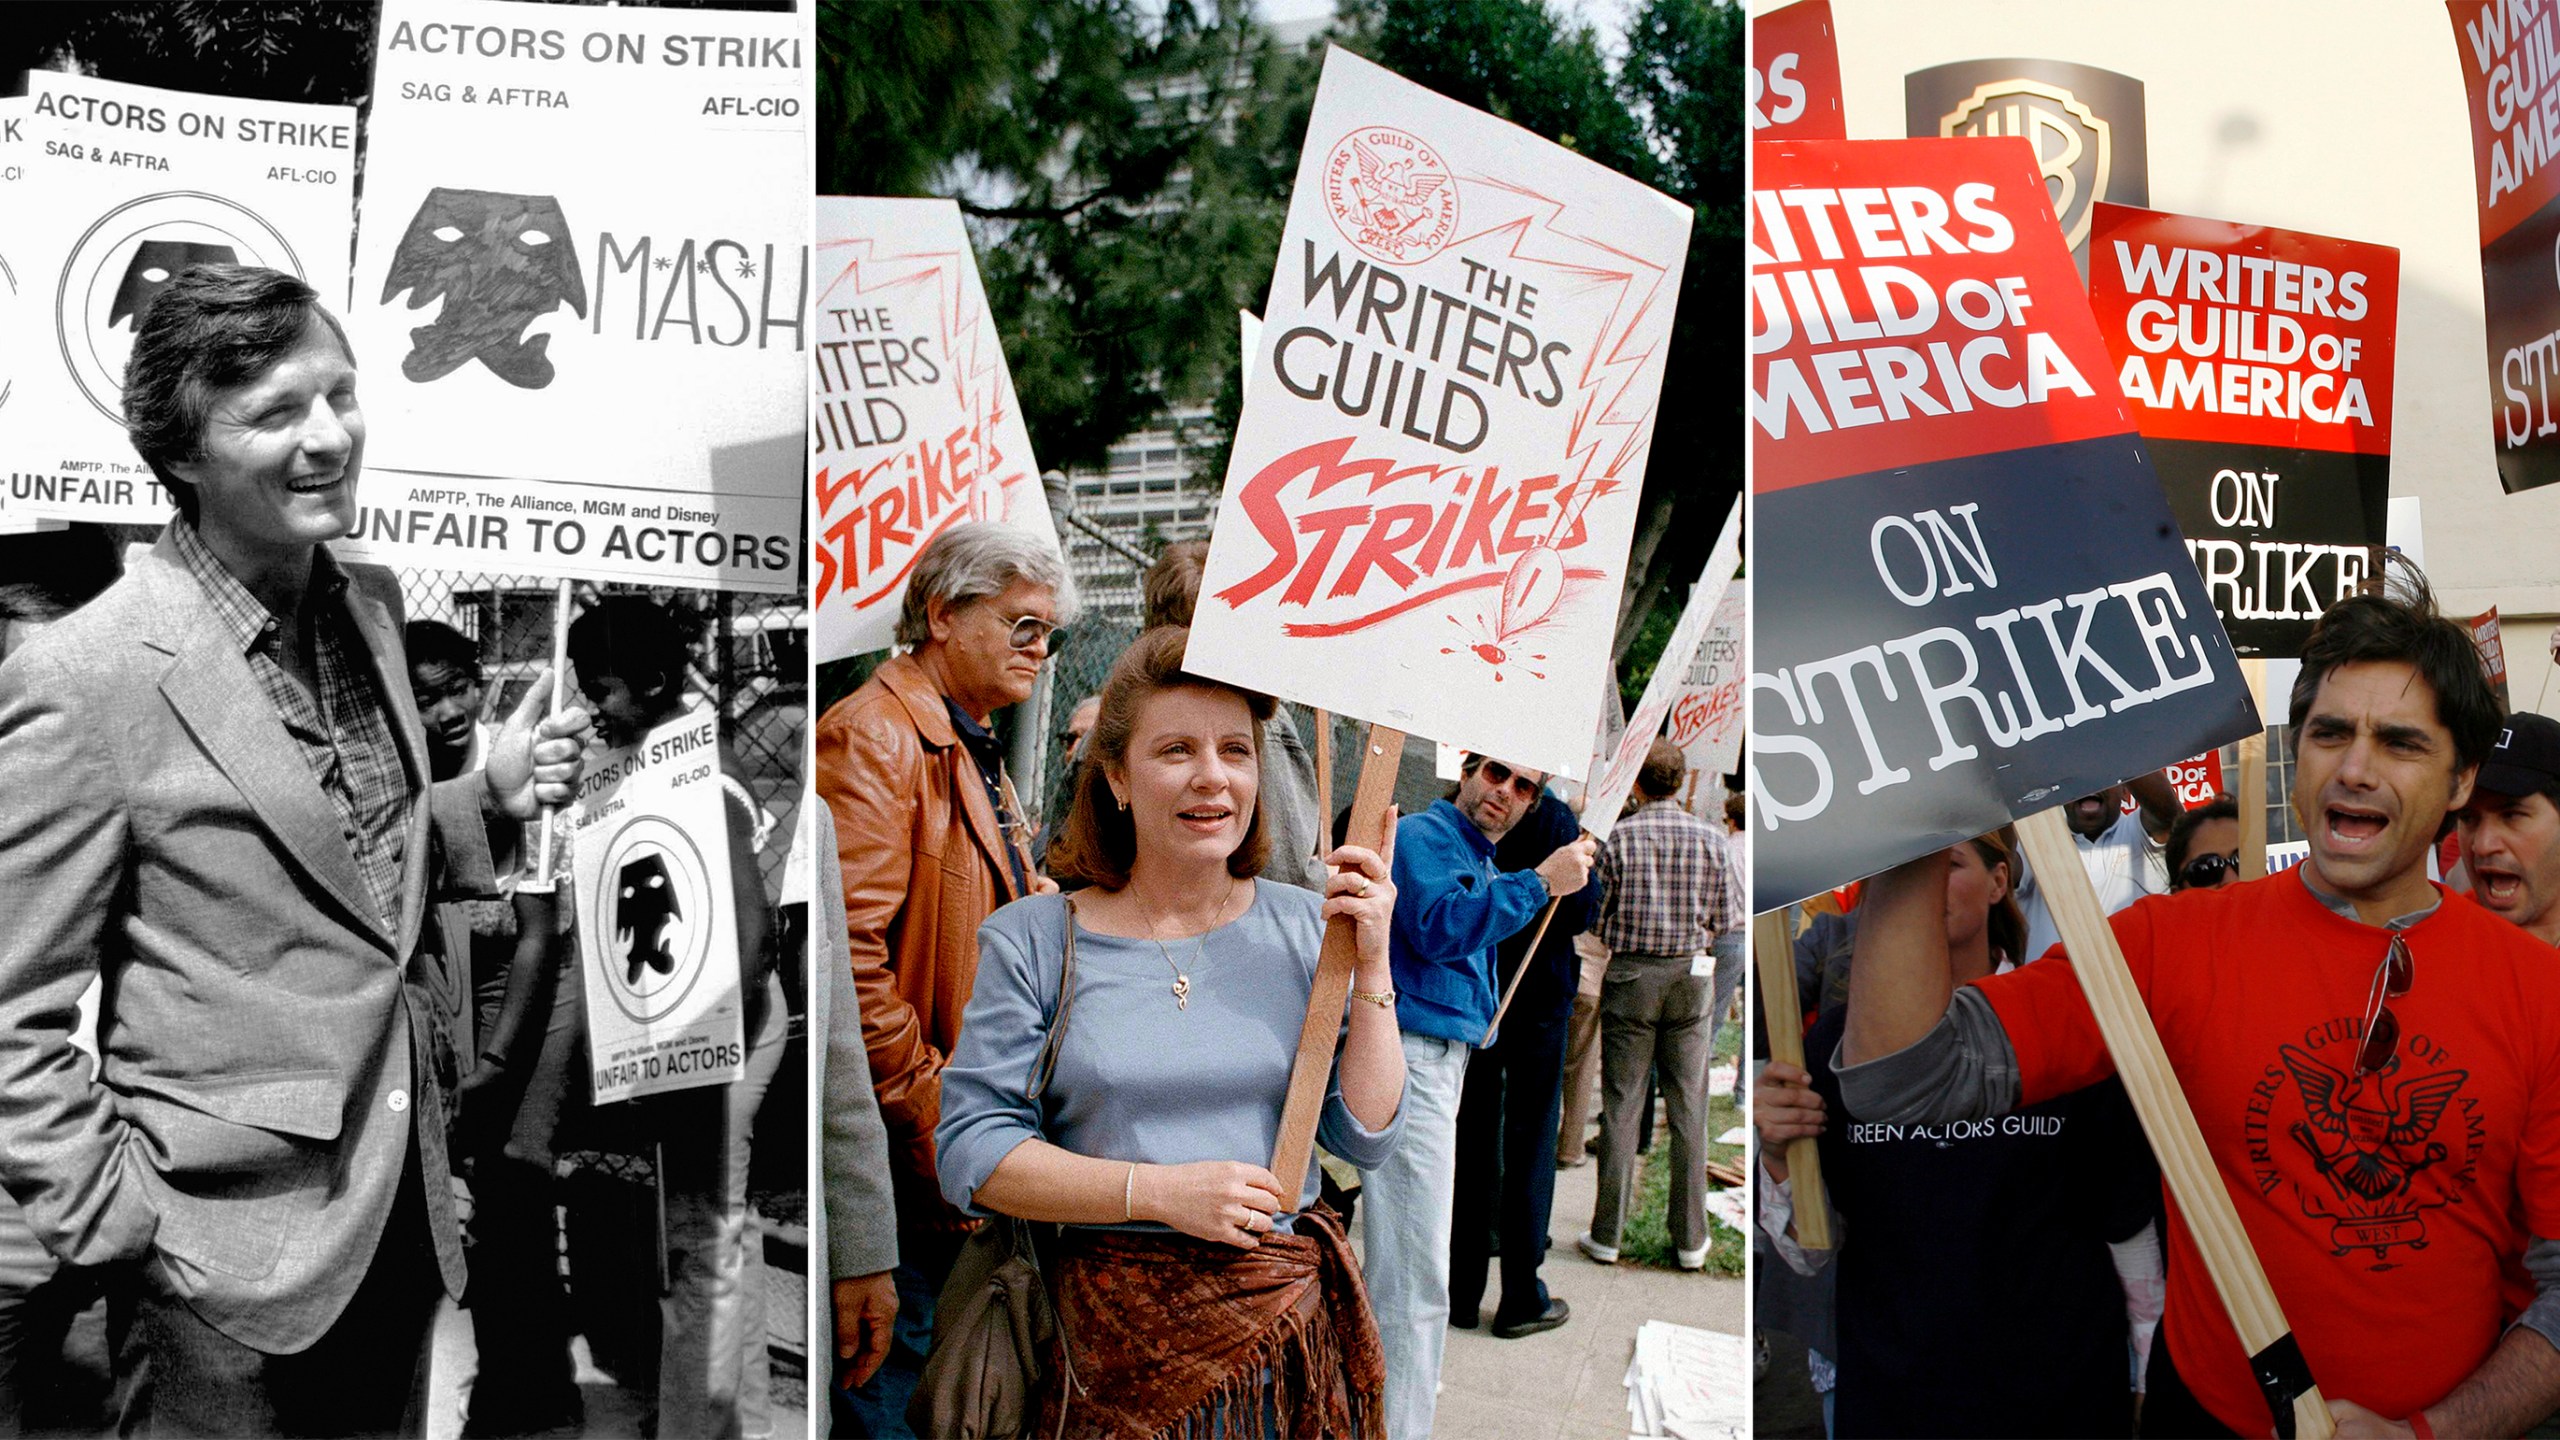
column 2252, row 791
column 2160, row 1103
column 1310, row 1075
column 1528, row 956
column 1784, row 1011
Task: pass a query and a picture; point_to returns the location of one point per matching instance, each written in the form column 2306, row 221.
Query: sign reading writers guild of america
column 2085, row 125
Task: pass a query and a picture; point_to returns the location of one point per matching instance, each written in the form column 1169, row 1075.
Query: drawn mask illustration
column 155, row 263
column 645, row 905
column 499, row 262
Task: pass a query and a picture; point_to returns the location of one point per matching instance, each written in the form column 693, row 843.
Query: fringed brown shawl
column 1173, row 1337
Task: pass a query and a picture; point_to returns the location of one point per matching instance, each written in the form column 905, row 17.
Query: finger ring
column 1365, row 887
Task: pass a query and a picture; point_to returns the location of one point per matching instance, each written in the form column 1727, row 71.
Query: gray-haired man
column 931, row 839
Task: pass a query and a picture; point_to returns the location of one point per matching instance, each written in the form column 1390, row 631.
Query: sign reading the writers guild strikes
column 2084, row 124
column 657, row 915
column 2258, row 365
column 1973, row 602
column 1706, row 714
column 2511, row 73
column 1434, row 482
column 914, row 427
column 123, row 187
column 582, row 293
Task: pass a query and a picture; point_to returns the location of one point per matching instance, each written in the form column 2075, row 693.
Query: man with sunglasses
column 2511, row 828
column 2376, row 1073
column 1453, row 906
column 930, row 838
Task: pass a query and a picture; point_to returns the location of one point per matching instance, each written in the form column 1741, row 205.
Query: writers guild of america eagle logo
column 654, row 918
column 499, row 262
column 2370, row 1140
column 122, row 262
column 1390, row 195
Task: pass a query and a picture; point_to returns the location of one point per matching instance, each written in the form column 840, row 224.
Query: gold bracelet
column 1129, row 1195
column 1383, row 999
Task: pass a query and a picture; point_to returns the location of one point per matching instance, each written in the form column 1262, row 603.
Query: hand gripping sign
column 125, row 186
column 2513, row 87
column 2257, row 363
column 657, row 915
column 914, row 426
column 1976, row 605
column 1434, row 482
column 582, row 293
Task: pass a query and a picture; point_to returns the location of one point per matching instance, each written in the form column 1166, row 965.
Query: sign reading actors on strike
column 2509, row 72
column 1795, row 75
column 582, row 293
column 1973, row 603
column 1435, row 479
column 657, row 915
column 126, row 186
column 1706, row 716
column 913, row 423
column 2257, row 363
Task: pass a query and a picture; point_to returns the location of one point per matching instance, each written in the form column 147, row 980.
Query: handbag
column 994, row 1320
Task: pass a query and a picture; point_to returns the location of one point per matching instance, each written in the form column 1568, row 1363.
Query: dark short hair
column 1172, row 586
column 211, row 329
column 1663, row 770
column 1098, row 842
column 2401, row 625
column 48, row 574
column 432, row 642
column 634, row 639
column 2182, row 831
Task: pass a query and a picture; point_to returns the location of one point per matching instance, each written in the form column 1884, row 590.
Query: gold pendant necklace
column 1199, row 946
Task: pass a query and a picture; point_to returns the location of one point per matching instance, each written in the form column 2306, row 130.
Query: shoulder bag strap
column 1042, row 1068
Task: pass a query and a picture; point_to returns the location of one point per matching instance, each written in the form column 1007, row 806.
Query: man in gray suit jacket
column 214, row 798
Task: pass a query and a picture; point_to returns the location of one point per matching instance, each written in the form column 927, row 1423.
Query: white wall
column 2344, row 119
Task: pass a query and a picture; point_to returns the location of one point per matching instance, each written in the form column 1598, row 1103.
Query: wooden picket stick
column 1526, row 956
column 2253, row 779
column 1784, row 1011
column 539, row 879
column 2160, row 1103
column 1324, row 779
column 1317, row 1039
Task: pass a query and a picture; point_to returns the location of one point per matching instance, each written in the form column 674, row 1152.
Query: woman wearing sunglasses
column 1996, row 1277
column 1197, row 1293
column 2204, row 846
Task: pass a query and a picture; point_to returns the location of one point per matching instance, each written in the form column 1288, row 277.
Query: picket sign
column 542, row 880
column 1309, row 1075
column 1607, row 791
column 2162, row 1107
column 1785, row 1013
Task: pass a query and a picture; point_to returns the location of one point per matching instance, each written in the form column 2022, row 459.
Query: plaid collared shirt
column 341, row 726
column 1673, row 886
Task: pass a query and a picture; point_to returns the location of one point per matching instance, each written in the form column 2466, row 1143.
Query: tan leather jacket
column 923, row 864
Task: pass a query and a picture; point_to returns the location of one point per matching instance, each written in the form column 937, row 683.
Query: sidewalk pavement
column 1569, row 1383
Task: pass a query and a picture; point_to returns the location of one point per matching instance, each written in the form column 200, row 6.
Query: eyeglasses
column 1500, row 775
column 2206, row 871
column 2391, row 980
column 1030, row 630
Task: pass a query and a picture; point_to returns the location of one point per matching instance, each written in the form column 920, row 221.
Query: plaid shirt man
column 1672, row 886
column 340, row 726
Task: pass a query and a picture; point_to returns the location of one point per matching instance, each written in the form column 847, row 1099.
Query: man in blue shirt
column 1452, row 908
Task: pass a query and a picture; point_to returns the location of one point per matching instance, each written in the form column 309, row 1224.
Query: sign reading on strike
column 2514, row 90
column 1973, row 602
column 1434, row 482
column 582, row 293
column 124, row 186
column 1795, row 75
column 914, row 427
column 2257, row 363
column 657, row 915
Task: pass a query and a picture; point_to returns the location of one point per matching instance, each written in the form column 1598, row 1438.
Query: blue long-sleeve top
column 1139, row 1078
column 1452, row 908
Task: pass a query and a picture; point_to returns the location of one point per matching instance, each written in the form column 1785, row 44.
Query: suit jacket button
column 399, row 1101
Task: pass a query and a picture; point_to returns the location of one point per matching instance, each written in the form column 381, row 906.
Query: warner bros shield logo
column 654, row 908
column 2085, row 125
